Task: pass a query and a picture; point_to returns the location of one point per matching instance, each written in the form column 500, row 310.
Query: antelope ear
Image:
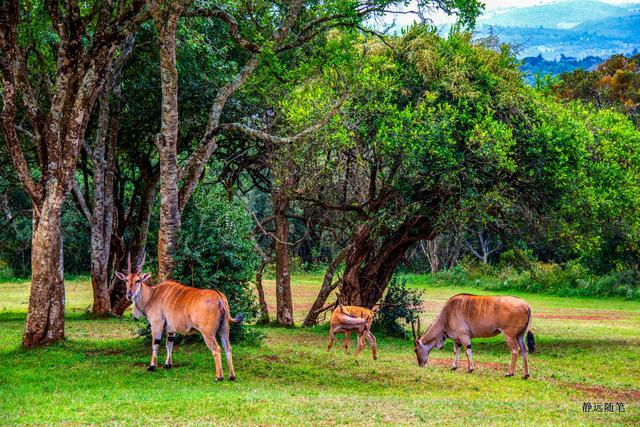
column 145, row 277
column 121, row 276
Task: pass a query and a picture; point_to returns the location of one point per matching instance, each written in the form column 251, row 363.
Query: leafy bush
column 572, row 279
column 216, row 253
column 519, row 259
column 398, row 303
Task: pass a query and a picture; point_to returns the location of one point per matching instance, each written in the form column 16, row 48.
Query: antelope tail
column 531, row 342
column 226, row 312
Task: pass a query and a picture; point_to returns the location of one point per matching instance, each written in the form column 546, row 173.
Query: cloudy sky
column 491, row 5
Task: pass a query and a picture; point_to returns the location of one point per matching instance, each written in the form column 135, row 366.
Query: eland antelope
column 173, row 307
column 467, row 316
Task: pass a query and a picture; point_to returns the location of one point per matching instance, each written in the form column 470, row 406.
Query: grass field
column 587, row 352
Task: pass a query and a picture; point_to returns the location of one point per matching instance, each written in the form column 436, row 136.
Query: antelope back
column 486, row 314
column 361, row 312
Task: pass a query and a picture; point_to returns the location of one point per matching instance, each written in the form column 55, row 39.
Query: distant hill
column 573, row 28
column 619, row 27
column 563, row 15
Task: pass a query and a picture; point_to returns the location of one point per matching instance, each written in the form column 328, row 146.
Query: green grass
column 587, row 352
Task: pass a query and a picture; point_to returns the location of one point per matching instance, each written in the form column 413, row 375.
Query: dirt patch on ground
column 605, row 393
column 574, row 317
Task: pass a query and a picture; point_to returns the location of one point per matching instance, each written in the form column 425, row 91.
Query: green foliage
column 399, row 302
column 571, row 279
column 518, row 259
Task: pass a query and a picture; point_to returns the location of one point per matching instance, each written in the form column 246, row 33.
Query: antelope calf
column 173, row 307
column 352, row 318
column 467, row 316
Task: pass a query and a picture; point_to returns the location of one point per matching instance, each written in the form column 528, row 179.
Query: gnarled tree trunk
column 369, row 270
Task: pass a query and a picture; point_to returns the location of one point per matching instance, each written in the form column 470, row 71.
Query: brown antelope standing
column 173, row 307
column 352, row 318
column 467, row 316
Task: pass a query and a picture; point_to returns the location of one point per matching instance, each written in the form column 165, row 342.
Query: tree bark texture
column 45, row 317
column 284, row 302
column 166, row 16
column 102, row 216
column 368, row 270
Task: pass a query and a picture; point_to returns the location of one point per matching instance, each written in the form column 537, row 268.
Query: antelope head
column 134, row 281
column 421, row 349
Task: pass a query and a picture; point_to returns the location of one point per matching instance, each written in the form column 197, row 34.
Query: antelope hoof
column 469, row 371
column 219, row 378
column 453, row 368
column 233, row 378
column 508, row 374
column 167, row 366
column 151, row 368
column 525, row 377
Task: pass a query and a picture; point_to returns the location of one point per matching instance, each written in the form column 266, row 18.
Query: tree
column 434, row 148
column 82, row 41
column 282, row 29
column 614, row 83
column 101, row 212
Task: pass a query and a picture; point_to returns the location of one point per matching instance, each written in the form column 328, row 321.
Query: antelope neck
column 141, row 299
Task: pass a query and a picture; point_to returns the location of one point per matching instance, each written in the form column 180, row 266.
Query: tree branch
column 274, row 139
column 226, row 17
column 80, row 201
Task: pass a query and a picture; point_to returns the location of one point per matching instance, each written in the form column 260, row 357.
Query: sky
column 490, row 5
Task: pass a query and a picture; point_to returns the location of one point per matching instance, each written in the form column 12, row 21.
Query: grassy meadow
column 587, row 351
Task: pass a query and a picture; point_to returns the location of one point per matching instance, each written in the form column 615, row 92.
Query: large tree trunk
column 45, row 316
column 368, row 271
column 284, row 302
column 166, row 17
column 102, row 216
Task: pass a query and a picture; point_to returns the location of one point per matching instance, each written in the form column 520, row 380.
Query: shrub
column 398, row 303
column 519, row 259
column 216, row 253
column 572, row 279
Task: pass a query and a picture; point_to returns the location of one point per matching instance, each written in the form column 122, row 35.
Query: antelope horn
column 419, row 332
column 129, row 263
column 413, row 329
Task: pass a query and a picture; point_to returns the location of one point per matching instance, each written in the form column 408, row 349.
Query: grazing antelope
column 352, row 318
column 174, row 307
column 467, row 316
